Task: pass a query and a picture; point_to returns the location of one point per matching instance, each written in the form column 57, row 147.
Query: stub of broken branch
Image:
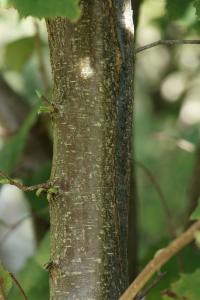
column 167, row 43
column 163, row 256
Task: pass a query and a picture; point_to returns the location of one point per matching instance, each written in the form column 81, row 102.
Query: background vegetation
column 166, row 139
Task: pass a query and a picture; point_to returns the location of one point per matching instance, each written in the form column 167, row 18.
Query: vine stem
column 163, row 256
column 23, row 187
column 167, row 43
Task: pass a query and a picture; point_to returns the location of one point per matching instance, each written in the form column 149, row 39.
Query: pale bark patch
column 86, row 70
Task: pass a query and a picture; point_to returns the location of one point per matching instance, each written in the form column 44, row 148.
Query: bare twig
column 194, row 188
column 143, row 293
column 23, row 187
column 166, row 210
column 162, row 198
column 159, row 260
column 167, row 43
column 19, row 286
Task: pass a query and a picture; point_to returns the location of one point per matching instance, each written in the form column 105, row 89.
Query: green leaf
column 196, row 213
column 40, row 191
column 11, row 153
column 176, row 9
column 6, row 280
column 187, row 287
column 197, row 6
column 50, row 8
column 18, row 52
column 48, row 109
column 197, row 238
column 190, row 256
column 4, row 181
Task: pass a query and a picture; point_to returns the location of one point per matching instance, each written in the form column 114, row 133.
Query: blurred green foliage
column 6, row 280
column 51, row 8
column 187, row 287
column 24, row 46
column 196, row 213
column 12, row 151
column 166, row 134
column 33, row 276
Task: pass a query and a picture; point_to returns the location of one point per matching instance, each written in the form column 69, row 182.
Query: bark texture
column 93, row 86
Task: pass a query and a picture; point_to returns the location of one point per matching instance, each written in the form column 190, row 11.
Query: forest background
column 166, row 145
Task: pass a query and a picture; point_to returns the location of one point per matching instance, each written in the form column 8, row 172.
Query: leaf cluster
column 47, row 9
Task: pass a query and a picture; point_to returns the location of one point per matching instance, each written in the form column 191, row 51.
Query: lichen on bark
column 92, row 76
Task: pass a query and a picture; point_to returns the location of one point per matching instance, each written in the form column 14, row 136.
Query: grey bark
column 92, row 64
column 133, row 204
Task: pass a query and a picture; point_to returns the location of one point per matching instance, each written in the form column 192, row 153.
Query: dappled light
column 128, row 17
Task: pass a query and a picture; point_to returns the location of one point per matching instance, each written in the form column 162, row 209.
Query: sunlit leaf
column 197, row 238
column 4, row 181
column 187, row 287
column 196, row 213
column 46, row 109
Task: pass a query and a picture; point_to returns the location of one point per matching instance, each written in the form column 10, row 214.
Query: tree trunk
column 92, row 64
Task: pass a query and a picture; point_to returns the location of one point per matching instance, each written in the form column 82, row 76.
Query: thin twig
column 19, row 286
column 143, row 293
column 163, row 201
column 163, row 256
column 194, row 188
column 23, row 187
column 167, row 43
column 162, row 198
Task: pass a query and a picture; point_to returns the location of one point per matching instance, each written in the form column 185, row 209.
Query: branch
column 23, row 187
column 163, row 256
column 167, row 43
